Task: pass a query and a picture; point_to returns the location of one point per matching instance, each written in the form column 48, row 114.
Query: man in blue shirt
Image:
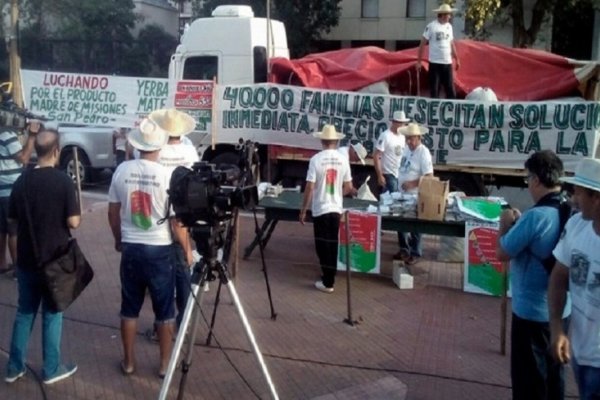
column 527, row 240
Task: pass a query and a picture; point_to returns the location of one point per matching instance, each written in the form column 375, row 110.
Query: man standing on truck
column 327, row 181
column 577, row 270
column 416, row 163
column 440, row 36
column 13, row 157
column 527, row 241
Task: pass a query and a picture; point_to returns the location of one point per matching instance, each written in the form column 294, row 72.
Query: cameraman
column 13, row 157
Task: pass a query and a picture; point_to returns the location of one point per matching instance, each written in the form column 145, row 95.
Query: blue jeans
column 183, row 280
column 588, row 380
column 31, row 287
column 391, row 183
column 147, row 267
column 410, row 242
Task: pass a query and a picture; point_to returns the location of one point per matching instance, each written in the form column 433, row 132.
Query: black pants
column 534, row 373
column 441, row 74
column 326, row 228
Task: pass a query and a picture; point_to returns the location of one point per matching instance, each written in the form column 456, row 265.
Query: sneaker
column 10, row 378
column 319, row 285
column 151, row 335
column 64, row 371
column 401, row 255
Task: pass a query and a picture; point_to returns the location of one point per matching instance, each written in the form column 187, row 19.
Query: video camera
column 207, row 195
column 11, row 115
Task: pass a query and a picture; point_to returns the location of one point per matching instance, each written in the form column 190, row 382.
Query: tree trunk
column 526, row 37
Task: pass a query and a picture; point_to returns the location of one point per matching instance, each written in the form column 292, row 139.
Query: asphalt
column 430, row 342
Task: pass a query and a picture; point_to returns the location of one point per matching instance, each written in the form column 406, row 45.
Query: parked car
column 94, row 150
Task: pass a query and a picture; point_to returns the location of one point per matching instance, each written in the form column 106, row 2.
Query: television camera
column 209, row 195
column 11, row 115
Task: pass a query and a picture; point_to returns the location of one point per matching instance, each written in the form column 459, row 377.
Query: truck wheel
column 68, row 165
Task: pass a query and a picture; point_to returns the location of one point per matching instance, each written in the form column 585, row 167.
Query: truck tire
column 67, row 164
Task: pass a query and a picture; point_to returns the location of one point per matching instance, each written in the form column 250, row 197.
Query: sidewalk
column 432, row 342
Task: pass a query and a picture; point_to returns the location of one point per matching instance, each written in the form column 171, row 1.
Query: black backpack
column 558, row 201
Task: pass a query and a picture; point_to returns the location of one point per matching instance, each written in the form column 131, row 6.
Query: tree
column 305, row 20
column 478, row 12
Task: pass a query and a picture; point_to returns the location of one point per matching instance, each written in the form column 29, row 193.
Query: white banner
column 104, row 100
column 499, row 135
column 460, row 132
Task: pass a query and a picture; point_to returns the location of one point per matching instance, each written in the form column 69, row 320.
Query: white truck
column 473, row 144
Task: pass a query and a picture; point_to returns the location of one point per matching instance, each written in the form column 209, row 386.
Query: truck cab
column 232, row 47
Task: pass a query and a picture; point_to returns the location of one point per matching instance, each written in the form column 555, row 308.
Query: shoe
column 64, row 371
column 402, row 255
column 14, row 377
column 126, row 370
column 319, row 285
column 412, row 260
column 206, row 288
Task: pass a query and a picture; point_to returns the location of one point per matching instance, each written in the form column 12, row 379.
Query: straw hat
column 174, row 122
column 328, row 133
column 587, row 174
column 400, row 116
column 149, row 136
column 444, row 9
column 412, row 129
column 360, row 151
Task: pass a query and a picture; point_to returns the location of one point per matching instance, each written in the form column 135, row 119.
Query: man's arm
column 455, row 54
column 507, row 220
column 180, row 235
column 408, row 185
column 557, row 297
column 420, row 53
column 308, row 191
column 348, row 188
column 377, row 164
column 23, row 156
column 114, row 220
column 74, row 221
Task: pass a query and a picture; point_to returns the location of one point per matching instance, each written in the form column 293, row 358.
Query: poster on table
column 364, row 242
column 483, row 274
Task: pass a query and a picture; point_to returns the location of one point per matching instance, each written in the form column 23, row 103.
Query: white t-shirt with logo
column 390, row 145
column 414, row 165
column 578, row 250
column 440, row 37
column 328, row 169
column 141, row 188
column 178, row 154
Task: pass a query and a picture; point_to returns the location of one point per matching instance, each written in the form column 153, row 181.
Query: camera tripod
column 214, row 243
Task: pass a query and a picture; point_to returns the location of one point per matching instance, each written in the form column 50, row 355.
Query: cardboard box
column 433, row 194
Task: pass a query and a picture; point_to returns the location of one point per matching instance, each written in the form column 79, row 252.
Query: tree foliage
column 525, row 33
column 305, row 20
column 91, row 36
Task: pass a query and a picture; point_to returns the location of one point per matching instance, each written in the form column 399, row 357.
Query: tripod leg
column 261, row 247
column 250, row 335
column 214, row 314
column 191, row 314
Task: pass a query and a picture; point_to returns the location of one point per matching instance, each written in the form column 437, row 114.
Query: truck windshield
column 201, row 68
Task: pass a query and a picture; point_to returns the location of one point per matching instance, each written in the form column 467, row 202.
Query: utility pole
column 13, row 54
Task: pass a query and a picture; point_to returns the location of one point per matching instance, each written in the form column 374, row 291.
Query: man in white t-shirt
column 577, row 270
column 388, row 152
column 177, row 153
column 440, row 36
column 137, row 201
column 416, row 163
column 327, row 181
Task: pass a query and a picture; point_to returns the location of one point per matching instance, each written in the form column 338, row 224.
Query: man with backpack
column 527, row 241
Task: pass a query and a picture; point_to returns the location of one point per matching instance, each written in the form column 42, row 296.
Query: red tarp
column 513, row 74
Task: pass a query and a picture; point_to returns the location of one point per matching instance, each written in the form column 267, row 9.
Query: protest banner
column 87, row 99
